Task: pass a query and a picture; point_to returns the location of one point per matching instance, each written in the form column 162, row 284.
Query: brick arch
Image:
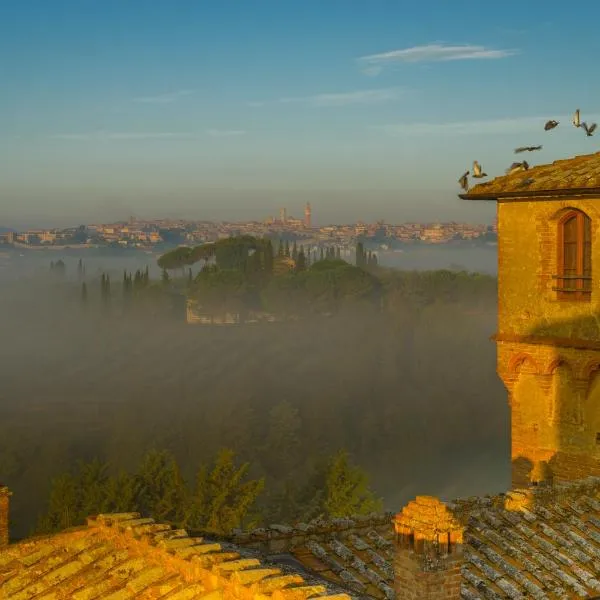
column 564, row 211
column 591, row 370
column 518, row 360
column 559, row 362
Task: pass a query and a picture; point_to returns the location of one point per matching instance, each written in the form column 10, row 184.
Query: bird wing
column 520, row 149
column 592, row 127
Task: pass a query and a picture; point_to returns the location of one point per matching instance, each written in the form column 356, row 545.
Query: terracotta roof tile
column 580, row 174
column 118, row 557
column 542, row 543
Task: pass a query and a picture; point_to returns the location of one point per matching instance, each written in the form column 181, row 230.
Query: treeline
column 222, row 496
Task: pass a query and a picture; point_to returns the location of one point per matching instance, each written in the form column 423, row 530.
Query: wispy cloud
column 510, row 126
column 116, row 135
column 225, row 132
column 374, row 63
column 163, row 98
column 378, row 96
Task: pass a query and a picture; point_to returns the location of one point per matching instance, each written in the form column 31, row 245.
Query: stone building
column 540, row 540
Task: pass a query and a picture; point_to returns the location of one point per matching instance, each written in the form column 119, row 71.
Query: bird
column 576, row 120
column 589, row 130
column 550, row 125
column 464, row 181
column 527, row 149
column 477, row 171
column 526, row 182
column 517, row 166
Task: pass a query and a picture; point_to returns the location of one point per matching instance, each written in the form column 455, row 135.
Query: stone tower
column 307, row 215
column 548, row 337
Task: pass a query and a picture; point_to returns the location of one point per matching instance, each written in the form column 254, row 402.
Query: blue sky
column 370, row 109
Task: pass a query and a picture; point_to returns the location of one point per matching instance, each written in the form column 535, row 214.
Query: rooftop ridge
column 198, row 561
column 576, row 176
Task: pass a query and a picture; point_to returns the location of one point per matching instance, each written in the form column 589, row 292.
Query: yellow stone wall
column 548, row 349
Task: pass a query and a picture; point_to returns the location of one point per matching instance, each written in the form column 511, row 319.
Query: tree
column 268, row 257
column 347, row 489
column 165, row 277
column 190, row 278
column 280, row 250
column 295, row 251
column 360, row 255
column 84, row 294
column 159, row 488
column 321, row 253
column 281, row 450
column 222, row 498
column 287, row 248
column 301, row 261
column 80, row 269
column 338, row 253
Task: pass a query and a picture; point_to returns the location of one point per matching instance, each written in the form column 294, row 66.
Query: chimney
column 428, row 557
column 4, row 501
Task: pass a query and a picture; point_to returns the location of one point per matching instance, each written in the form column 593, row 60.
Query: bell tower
column 548, row 338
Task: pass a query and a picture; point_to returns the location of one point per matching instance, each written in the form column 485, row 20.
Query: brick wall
column 552, row 383
column 4, row 502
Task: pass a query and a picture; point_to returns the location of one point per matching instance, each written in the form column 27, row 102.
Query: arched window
column 574, row 256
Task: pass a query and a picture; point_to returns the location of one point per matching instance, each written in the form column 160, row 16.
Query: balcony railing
column 573, row 284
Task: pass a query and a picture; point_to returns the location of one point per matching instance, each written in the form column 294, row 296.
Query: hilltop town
column 147, row 234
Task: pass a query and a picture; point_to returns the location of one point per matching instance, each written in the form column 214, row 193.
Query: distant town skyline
column 207, row 110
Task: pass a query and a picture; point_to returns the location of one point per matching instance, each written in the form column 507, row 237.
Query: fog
column 415, row 400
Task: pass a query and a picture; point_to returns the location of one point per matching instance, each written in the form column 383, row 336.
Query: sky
column 231, row 109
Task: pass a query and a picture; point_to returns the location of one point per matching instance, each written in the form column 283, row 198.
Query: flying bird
column 517, row 166
column 477, row 171
column 589, row 130
column 464, row 181
column 527, row 149
column 550, row 125
column 576, row 120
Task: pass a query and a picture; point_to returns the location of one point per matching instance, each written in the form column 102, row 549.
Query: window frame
column 580, row 292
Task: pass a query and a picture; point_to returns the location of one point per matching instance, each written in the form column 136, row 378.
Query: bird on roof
column 477, row 171
column 464, row 181
column 576, row 119
column 589, row 130
column 517, row 166
column 527, row 149
column 526, row 182
column 550, row 125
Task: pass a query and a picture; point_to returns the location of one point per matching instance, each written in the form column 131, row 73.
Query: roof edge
column 592, row 191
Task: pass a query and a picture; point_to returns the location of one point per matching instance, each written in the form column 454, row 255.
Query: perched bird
column 464, row 181
column 550, row 125
column 589, row 130
column 576, row 120
column 517, row 166
column 477, row 171
column 527, row 149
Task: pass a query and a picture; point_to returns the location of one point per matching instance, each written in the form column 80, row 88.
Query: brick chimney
column 4, row 501
column 428, row 558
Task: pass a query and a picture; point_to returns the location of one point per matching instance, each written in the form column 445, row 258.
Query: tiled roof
column 354, row 553
column 121, row 556
column 579, row 175
column 542, row 543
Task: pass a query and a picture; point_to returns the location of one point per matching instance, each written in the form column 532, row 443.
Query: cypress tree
column 84, row 296
column 338, row 253
column 360, row 255
column 80, row 269
column 190, row 279
column 287, row 248
column 321, row 253
column 146, row 276
column 295, row 251
column 165, row 277
column 301, row 260
column 280, row 248
column 268, row 257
